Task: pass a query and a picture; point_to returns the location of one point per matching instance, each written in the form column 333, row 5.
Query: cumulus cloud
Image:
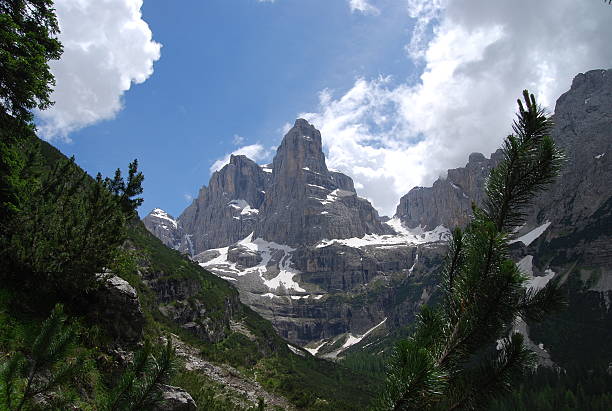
column 363, row 6
column 476, row 57
column 107, row 48
column 255, row 152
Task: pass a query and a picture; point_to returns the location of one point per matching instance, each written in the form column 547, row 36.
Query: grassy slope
column 307, row 382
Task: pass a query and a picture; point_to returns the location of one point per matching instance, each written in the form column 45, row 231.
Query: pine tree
column 68, row 230
column 28, row 41
column 460, row 355
column 139, row 388
column 50, row 362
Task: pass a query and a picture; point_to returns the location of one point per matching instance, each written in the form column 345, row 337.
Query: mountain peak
column 301, row 150
column 300, row 122
column 240, row 159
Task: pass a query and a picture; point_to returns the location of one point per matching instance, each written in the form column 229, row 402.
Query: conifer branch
column 484, row 291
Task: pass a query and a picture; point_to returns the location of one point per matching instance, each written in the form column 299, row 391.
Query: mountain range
column 309, row 254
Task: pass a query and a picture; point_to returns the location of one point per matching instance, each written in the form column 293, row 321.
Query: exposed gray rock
column 228, row 209
column 295, row 200
column 243, row 256
column 312, row 290
column 178, row 299
column 116, row 307
column 176, row 399
column 307, row 203
column 245, row 391
column 569, row 226
column 165, row 227
column 449, row 201
column 583, row 120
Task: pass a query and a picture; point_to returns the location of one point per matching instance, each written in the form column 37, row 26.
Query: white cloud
column 188, row 197
column 237, row 140
column 285, row 128
column 107, row 48
column 363, row 6
column 255, row 152
column 476, row 56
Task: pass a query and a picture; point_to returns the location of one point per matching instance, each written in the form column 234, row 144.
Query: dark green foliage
column 28, row 40
column 530, row 162
column 451, row 361
column 208, row 395
column 125, row 191
column 139, row 387
column 48, row 363
column 548, row 390
column 67, row 229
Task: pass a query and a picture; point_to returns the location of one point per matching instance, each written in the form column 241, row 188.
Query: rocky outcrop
column 449, row 201
column 335, row 288
column 228, row 209
column 175, row 399
column 180, row 299
column 583, row 130
column 116, row 307
column 296, row 200
column 165, row 227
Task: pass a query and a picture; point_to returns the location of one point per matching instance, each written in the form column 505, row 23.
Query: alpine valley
column 334, row 277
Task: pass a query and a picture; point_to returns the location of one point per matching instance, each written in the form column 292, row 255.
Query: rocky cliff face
column 307, row 203
column 302, row 248
column 318, row 262
column 568, row 229
column 449, row 201
column 228, row 209
column 583, row 121
column 165, row 227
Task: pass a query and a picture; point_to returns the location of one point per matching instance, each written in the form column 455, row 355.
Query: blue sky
column 401, row 89
column 233, row 68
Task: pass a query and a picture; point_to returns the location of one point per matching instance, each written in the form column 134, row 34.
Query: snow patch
column 540, row 282
column 228, row 278
column 315, row 350
column 531, row 236
column 416, row 260
column 238, row 204
column 249, row 211
column 600, row 156
column 404, row 236
column 284, row 278
column 244, row 207
column 536, row 283
column 352, row 340
column 316, row 186
column 331, row 197
column 295, row 350
column 270, row 295
column 159, row 213
column 526, row 265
